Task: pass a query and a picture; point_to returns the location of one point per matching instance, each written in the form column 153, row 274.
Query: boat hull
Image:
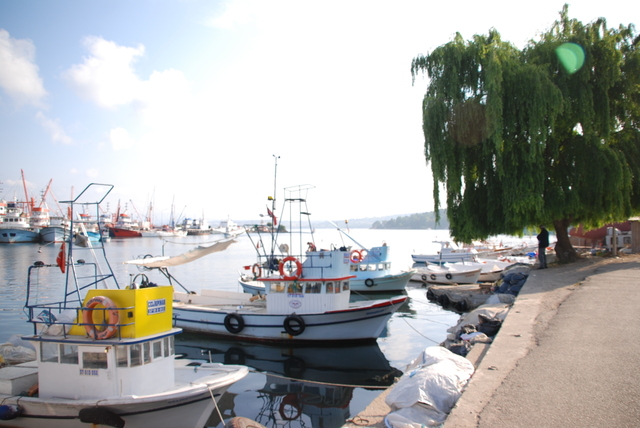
column 54, row 234
column 16, row 236
column 190, row 406
column 383, row 283
column 438, row 275
column 118, row 232
column 362, row 321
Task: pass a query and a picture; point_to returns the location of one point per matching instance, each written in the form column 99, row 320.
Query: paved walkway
column 568, row 354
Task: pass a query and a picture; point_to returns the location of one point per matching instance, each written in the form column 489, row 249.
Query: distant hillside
column 409, row 221
column 414, row 221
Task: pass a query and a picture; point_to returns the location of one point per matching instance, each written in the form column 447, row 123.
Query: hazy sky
column 192, row 99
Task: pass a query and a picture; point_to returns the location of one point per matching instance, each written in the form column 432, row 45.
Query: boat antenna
column 347, row 235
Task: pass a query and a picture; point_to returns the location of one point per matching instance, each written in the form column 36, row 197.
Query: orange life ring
column 356, row 256
column 298, row 272
column 256, row 270
column 90, row 325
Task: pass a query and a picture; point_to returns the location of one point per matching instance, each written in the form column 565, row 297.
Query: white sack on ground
column 416, row 416
column 498, row 310
column 438, row 382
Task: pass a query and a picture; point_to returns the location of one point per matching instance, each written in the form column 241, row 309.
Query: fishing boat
column 124, row 228
column 436, row 274
column 15, row 226
column 57, row 231
column 307, row 299
column 448, row 253
column 105, row 355
column 228, row 228
column 490, row 269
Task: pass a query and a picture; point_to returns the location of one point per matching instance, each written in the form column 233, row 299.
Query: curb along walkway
column 567, row 354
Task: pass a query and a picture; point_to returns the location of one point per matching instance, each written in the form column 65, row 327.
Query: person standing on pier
column 543, row 243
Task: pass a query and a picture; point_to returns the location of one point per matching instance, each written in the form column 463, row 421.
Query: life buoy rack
column 234, row 323
column 294, row 325
column 369, row 282
column 298, row 272
column 256, row 270
column 112, row 315
column 448, row 276
column 356, row 256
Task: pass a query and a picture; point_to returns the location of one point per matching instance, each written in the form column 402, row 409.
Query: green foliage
column 413, row 221
column 517, row 140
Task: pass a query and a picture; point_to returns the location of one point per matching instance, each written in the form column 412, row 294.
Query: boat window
column 48, row 352
column 277, row 287
column 171, row 348
column 345, row 285
column 136, row 355
column 371, row 267
column 157, row 349
column 146, row 355
column 313, row 287
column 94, row 360
column 329, row 287
column 363, row 268
column 337, row 288
column 353, row 268
column 387, row 266
column 294, row 287
column 68, row 354
column 121, row 356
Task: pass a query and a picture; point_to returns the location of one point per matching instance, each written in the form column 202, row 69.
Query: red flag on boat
column 273, row 216
column 61, row 259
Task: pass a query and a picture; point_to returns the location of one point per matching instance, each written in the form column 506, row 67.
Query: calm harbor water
column 288, row 386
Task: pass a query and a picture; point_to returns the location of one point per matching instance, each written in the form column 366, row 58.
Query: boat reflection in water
column 303, row 386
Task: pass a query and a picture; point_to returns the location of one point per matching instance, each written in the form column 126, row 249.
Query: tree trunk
column 564, row 250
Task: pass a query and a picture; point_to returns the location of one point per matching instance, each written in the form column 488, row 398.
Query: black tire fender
column 294, row 325
column 369, row 282
column 234, row 323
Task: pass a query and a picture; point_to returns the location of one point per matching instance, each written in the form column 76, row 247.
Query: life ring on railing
column 294, row 325
column 356, row 256
column 433, row 277
column 113, row 318
column 234, row 323
column 298, row 272
column 369, row 282
column 448, row 276
column 256, row 270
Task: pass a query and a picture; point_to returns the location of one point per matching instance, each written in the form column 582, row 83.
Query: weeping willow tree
column 519, row 138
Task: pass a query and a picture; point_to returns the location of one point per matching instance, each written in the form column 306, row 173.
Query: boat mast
column 273, row 207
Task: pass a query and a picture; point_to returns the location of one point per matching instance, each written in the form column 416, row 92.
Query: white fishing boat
column 307, row 299
column 228, row 228
column 448, row 252
column 490, row 269
column 104, row 354
column 372, row 269
column 15, row 226
column 436, row 274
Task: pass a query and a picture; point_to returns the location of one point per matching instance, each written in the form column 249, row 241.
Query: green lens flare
column 571, row 56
